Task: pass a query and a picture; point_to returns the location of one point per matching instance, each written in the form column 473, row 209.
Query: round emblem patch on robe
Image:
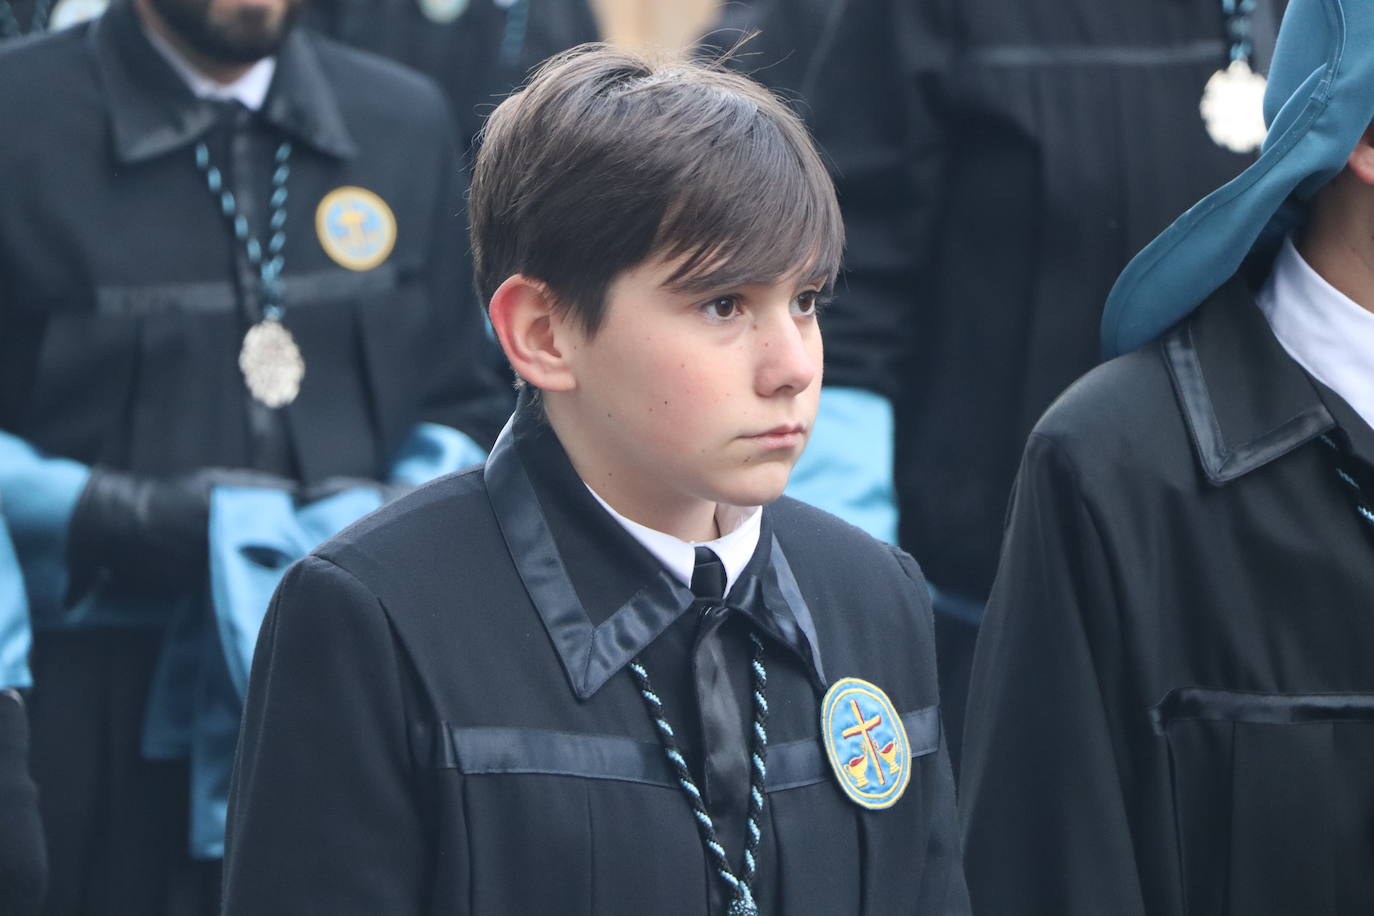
column 866, row 743
column 356, row 227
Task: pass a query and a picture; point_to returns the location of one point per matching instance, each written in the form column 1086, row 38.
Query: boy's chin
column 760, row 488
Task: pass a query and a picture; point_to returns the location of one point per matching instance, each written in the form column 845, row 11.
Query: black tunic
column 1172, row 706
column 440, row 719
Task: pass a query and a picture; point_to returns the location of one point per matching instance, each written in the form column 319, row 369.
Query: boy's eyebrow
column 820, row 283
column 822, row 279
column 717, row 273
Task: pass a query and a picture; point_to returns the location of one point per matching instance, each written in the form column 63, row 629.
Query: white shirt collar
column 735, row 547
column 1326, row 332
column 249, row 89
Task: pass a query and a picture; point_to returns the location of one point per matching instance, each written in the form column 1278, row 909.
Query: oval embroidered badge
column 866, row 743
column 356, row 228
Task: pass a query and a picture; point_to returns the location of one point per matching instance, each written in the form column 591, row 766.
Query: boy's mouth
column 781, row 437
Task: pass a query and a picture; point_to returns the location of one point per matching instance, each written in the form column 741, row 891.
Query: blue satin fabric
column 254, row 535
column 15, row 637
column 847, row 466
column 1318, row 102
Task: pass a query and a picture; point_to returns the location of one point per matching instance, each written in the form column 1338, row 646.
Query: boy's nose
column 788, row 358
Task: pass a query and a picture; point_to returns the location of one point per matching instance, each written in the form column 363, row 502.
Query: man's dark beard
column 248, row 36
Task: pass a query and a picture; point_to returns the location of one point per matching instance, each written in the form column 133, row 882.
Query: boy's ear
column 532, row 333
column 1361, row 161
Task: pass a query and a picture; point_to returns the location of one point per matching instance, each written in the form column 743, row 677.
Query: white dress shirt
column 734, row 547
column 1325, row 331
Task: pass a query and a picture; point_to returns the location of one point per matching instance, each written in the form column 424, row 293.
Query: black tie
column 708, row 578
column 725, row 755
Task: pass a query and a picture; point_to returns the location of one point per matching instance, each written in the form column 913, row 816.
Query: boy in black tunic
column 610, row 671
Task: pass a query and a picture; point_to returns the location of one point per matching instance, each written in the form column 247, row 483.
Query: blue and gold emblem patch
column 866, row 743
column 356, row 228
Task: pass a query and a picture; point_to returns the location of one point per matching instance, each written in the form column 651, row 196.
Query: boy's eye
column 723, row 307
column 808, row 302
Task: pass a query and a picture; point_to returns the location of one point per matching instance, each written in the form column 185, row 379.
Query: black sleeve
column 1045, row 796
column 325, row 810
column 943, row 890
column 23, row 863
column 471, row 385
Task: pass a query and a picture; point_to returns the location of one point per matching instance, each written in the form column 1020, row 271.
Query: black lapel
column 152, row 111
column 1245, row 401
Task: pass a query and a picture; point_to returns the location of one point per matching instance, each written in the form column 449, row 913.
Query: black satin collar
column 1245, row 400
column 618, row 598
column 154, row 112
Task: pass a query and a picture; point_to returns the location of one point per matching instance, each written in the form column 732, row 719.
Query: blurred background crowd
column 998, row 162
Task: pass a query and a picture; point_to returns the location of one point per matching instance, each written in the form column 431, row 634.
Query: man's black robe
column 440, row 717
column 1172, row 706
column 124, row 299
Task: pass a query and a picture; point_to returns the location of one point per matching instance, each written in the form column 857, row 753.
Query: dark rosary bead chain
column 1341, row 457
column 742, row 888
column 269, row 268
column 1236, row 14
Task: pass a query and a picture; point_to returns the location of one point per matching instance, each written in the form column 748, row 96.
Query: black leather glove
column 148, row 535
column 23, row 858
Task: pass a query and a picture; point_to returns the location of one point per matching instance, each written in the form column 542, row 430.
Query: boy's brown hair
column 605, row 160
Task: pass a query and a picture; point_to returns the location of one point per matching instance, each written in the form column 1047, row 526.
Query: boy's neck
column 640, row 498
column 1337, row 241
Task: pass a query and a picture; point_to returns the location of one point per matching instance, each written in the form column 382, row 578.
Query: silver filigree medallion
column 271, row 363
column 1232, row 108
